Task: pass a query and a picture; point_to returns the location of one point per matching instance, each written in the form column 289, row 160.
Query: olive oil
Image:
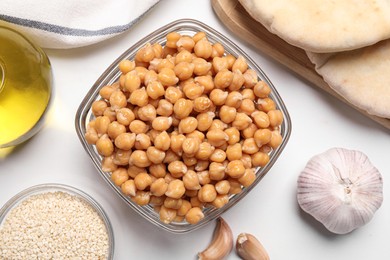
column 25, row 87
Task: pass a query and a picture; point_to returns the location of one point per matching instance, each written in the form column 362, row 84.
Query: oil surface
column 25, row 87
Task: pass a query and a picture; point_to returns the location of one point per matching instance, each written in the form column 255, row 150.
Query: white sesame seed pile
column 53, row 225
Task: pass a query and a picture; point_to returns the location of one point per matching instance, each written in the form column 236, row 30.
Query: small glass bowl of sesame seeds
column 54, row 221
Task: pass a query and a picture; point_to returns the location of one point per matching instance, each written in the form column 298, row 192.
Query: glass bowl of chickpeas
column 183, row 125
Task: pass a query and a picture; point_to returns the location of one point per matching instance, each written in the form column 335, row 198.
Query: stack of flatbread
column 347, row 40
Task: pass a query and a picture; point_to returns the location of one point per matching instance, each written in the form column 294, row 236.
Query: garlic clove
column 249, row 248
column 221, row 244
column 341, row 189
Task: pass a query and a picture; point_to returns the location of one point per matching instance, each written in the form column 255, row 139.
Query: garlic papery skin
column 341, row 189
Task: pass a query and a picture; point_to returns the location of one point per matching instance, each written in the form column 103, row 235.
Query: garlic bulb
column 341, row 189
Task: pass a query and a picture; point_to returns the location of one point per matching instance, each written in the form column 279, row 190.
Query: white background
column 270, row 211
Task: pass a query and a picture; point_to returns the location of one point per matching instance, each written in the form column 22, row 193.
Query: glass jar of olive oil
column 25, row 87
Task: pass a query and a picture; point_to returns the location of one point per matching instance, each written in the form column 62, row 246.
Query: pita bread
column 361, row 76
column 324, row 26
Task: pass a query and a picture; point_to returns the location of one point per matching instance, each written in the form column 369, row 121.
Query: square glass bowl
column 112, row 74
column 22, row 196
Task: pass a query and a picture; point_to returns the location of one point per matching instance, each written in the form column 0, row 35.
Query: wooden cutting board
column 235, row 17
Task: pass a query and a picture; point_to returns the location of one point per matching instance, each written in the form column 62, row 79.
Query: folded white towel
column 72, row 23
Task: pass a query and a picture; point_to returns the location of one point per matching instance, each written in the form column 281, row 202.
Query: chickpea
column 111, row 114
column 188, row 125
column 222, row 187
column 220, row 201
column 184, row 70
column 196, row 134
column 172, row 39
column 249, row 146
column 158, row 170
column 206, row 81
column 167, row 215
column 175, row 189
column 192, row 90
column 141, row 197
column 240, row 64
column 202, row 104
column 173, row 203
column 241, row 121
column 275, row 118
column 233, row 135
column 145, row 54
column 155, row 155
column 185, row 43
column 248, row 178
column 205, row 151
column 204, row 177
column 128, row 188
column 155, row 89
column 276, row 139
column 170, row 156
column 125, row 116
column 237, row 81
column 133, row 170
column 262, row 89
column 117, row 99
column 262, row 136
column 184, row 208
column 218, row 155
column 220, row 63
column 119, row 176
column 165, row 108
column 177, row 142
column 247, row 93
column 138, row 127
column 150, row 76
column 234, row 152
column 227, row 114
column 142, row 181
column 201, row 66
column 162, row 141
column 101, row 124
column 91, row 135
column 203, row 48
column 182, row 108
column 168, row 178
column 191, row 193
column 191, row 180
column 139, row 97
column 104, row 145
column 250, row 78
column 162, row 123
column 167, row 77
column 266, row 104
column 261, row 119
column 195, row 202
column 260, row 159
column 108, row 164
column 126, row 66
column 202, row 165
column 132, row 81
column 147, row 113
column 121, row 157
column 106, row 91
column 235, row 169
column 199, row 35
column 194, row 215
column 189, row 161
column 172, row 94
column 141, row 72
column 217, row 137
column 177, row 169
column 234, row 99
column 205, row 120
column 207, row 193
column 114, row 129
column 216, row 171
column 218, row 50
column 223, row 79
column 98, row 107
column 249, row 132
column 139, row 158
column 190, row 146
column 247, row 106
column 235, row 186
column 159, row 187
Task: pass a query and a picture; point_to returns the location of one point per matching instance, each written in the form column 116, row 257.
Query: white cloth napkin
column 63, row 24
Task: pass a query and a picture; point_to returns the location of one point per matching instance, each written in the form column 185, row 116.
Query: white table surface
column 270, row 211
